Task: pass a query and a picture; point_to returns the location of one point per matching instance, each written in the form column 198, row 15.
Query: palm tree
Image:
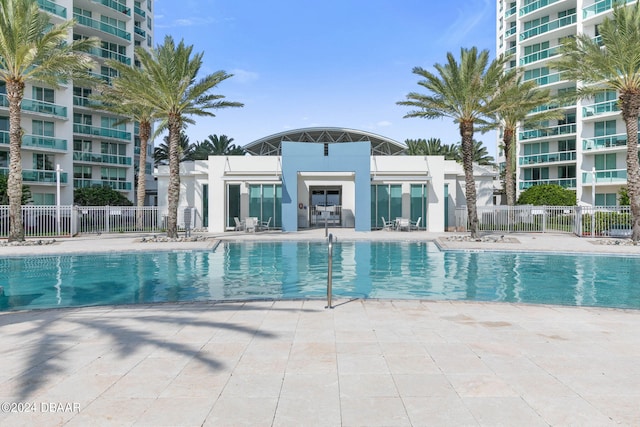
column 480, row 155
column 517, row 100
column 32, row 49
column 430, row 147
column 175, row 94
column 612, row 62
column 119, row 98
column 185, row 150
column 464, row 92
column 216, row 146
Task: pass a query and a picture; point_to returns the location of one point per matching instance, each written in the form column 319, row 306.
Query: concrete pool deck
column 291, row 363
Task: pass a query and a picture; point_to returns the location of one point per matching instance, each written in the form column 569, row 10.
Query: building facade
column 60, row 129
column 305, row 178
column 585, row 150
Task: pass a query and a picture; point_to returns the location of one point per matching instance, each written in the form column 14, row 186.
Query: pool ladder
column 330, row 270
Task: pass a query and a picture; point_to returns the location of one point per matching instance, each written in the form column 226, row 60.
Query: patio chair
column 264, row 225
column 388, row 225
column 239, row 224
column 415, row 226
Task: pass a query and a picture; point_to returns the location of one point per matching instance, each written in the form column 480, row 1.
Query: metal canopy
column 271, row 145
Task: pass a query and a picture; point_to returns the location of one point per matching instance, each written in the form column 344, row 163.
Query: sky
column 335, row 63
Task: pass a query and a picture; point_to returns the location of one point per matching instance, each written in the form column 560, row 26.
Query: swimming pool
column 290, row 270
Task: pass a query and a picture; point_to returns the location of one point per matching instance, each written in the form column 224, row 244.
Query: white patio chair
column 416, row 225
column 239, row 224
column 388, row 225
column 264, row 225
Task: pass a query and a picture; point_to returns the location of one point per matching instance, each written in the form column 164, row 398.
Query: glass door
column 325, row 205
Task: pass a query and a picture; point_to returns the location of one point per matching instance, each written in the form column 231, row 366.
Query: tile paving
column 292, row 363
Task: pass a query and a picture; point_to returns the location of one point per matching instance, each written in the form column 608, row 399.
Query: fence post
column 74, row 221
column 106, row 219
column 544, row 219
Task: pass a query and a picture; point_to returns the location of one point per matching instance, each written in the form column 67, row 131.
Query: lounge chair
column 388, row 225
column 264, row 225
column 239, row 224
column 416, row 225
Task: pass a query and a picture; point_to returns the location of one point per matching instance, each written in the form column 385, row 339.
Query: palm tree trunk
column 630, row 107
column 15, row 93
column 466, row 131
column 145, row 131
column 509, row 183
column 174, row 177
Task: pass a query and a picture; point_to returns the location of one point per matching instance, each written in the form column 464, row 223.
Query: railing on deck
column 584, row 221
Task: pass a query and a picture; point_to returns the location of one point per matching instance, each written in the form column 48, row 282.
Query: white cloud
column 185, row 22
column 244, row 76
column 384, row 123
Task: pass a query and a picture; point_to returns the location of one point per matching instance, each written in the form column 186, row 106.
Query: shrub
column 99, row 196
column 547, row 195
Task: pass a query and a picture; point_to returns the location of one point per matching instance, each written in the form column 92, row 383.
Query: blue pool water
column 279, row 270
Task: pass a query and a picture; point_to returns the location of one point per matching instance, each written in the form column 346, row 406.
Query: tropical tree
column 612, row 62
column 4, row 196
column 547, row 195
column 431, row 147
column 463, row 91
column 479, row 154
column 119, row 98
column 517, row 100
column 216, row 146
column 32, row 49
column 185, row 150
column 176, row 95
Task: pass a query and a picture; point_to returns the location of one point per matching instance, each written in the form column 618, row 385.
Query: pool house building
column 313, row 177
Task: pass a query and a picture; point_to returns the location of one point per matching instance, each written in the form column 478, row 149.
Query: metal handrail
column 330, row 271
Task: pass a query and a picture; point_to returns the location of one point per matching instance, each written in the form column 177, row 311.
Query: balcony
column 599, row 7
column 33, row 105
column 102, row 132
column 38, row 176
column 535, row 6
column 102, row 26
column 111, row 159
column 535, row 159
column 510, row 12
column 563, row 182
column 549, row 26
column 140, row 32
column 139, row 11
column 116, row 185
column 611, row 176
column 511, row 31
column 537, row 56
column 104, row 77
column 52, row 7
column 609, row 141
column 550, row 131
column 115, row 6
column 109, row 54
column 600, row 108
column 37, row 141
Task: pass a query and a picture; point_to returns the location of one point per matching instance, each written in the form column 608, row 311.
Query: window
column 386, row 201
column 82, row 145
column 81, row 12
column 43, row 94
column 4, row 159
column 113, row 148
column 39, row 127
column 111, row 123
column 536, row 174
column 536, row 148
column 43, row 199
column 113, row 174
column 265, row 200
column 82, row 172
column 606, row 199
column 567, row 145
column 604, row 128
column 565, row 172
column 604, row 96
column 121, row 25
column 82, row 119
column 43, row 162
column 4, row 124
column 605, row 161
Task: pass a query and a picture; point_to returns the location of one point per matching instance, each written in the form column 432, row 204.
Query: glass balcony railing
column 116, row 185
column 537, row 56
column 52, row 7
column 139, row 12
column 547, row 79
column 550, row 131
column 37, row 141
column 37, row 106
column 599, row 7
column 139, row 31
column 109, row 54
column 38, row 176
column 103, row 132
column 534, row 159
column 509, row 12
column 105, row 78
column 510, row 51
column 600, row 108
column 102, row 26
column 549, row 26
column 115, row 6
column 609, row 141
column 101, row 158
column 610, row 176
column 511, row 31
column 535, row 6
column 563, row 182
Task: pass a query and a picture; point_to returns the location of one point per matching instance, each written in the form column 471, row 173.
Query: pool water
column 289, row 270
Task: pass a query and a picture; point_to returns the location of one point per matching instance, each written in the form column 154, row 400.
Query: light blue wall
column 309, row 157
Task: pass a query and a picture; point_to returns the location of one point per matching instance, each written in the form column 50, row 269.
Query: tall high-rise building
column 90, row 146
column 586, row 149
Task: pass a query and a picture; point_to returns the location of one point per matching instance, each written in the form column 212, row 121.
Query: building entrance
column 325, row 204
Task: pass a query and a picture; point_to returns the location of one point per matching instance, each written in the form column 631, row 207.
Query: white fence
column 584, row 221
column 50, row 221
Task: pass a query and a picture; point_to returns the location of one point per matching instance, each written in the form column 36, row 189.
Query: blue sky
column 342, row 63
